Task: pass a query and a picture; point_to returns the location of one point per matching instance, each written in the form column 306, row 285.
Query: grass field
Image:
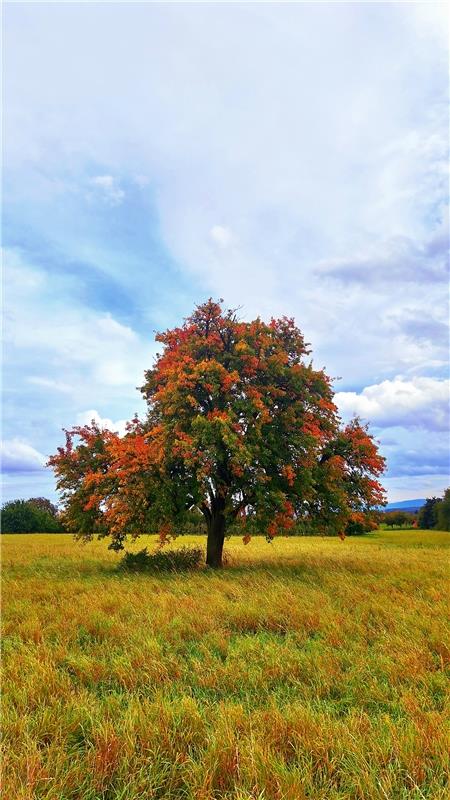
column 308, row 668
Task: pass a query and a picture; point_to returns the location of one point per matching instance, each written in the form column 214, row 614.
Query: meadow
column 308, row 668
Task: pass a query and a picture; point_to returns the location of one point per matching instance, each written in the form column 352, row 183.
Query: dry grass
column 309, row 668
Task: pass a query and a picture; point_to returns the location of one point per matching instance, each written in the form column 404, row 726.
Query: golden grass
column 309, row 668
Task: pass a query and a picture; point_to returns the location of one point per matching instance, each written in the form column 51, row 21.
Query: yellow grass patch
column 308, row 668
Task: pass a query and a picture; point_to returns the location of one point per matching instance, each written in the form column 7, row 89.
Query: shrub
column 185, row 558
column 360, row 527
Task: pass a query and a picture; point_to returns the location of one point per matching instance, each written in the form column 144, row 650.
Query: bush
column 360, row 527
column 185, row 558
column 24, row 516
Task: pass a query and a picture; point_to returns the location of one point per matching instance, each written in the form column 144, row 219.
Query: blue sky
column 290, row 158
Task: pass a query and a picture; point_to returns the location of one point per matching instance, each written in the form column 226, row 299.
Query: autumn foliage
column 240, row 426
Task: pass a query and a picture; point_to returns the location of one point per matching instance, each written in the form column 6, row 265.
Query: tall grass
column 308, row 668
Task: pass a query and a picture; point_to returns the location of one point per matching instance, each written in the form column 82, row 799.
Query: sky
column 289, row 158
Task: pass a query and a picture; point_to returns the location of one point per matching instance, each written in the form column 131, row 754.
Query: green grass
column 308, row 668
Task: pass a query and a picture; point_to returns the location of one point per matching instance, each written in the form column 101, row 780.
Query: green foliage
column 398, row 519
column 442, row 512
column 184, row 558
column 360, row 527
column 240, row 426
column 427, row 514
column 25, row 516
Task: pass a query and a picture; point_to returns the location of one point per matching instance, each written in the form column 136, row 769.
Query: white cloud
column 60, row 357
column 141, row 180
column 86, row 417
column 396, row 261
column 108, row 189
column 308, row 160
column 417, row 403
column 75, row 340
column 39, row 483
column 19, row 456
column 221, row 235
column 49, row 383
column 411, row 487
column 21, row 278
column 431, row 21
column 79, row 345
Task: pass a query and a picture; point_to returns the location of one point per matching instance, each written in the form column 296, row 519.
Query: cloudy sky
column 290, row 158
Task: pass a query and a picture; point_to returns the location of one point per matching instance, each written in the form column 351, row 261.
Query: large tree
column 239, row 426
column 427, row 514
column 442, row 509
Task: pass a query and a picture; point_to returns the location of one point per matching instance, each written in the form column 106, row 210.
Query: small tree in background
column 365, row 524
column 240, row 426
column 410, row 519
column 43, row 504
column 390, row 519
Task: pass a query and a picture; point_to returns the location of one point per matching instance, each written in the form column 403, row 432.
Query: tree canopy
column 44, row 504
column 240, row 425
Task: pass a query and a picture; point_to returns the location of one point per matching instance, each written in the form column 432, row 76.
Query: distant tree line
column 399, row 519
column 435, row 513
column 36, row 515
column 40, row 515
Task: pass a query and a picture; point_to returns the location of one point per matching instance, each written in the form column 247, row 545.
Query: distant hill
column 405, row 505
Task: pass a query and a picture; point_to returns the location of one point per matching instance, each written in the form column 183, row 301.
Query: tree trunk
column 215, row 540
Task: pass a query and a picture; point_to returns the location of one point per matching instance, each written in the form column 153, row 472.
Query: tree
column 239, row 427
column 442, row 509
column 44, row 505
column 398, row 519
column 390, row 519
column 24, row 516
column 427, row 514
column 409, row 519
column 357, row 527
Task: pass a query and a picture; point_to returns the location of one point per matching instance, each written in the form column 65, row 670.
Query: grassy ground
column 309, row 668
